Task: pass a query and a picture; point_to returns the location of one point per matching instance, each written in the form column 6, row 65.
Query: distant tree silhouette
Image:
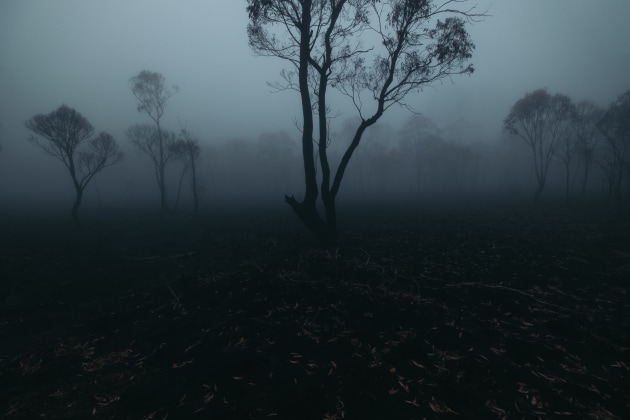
column 419, row 140
column 159, row 146
column 588, row 138
column 64, row 134
column 275, row 155
column 187, row 149
column 567, row 140
column 152, row 94
column 323, row 42
column 542, row 121
column 615, row 127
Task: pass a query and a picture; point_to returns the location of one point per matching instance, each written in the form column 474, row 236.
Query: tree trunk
column 539, row 190
column 162, row 169
column 162, row 185
column 76, row 205
column 331, row 218
column 194, row 186
column 618, row 183
column 567, row 183
column 309, row 216
column 307, row 209
column 308, row 155
column 585, row 177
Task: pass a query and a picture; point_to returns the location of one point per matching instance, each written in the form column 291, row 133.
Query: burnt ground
column 485, row 315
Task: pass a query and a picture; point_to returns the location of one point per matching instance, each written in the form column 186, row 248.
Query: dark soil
column 479, row 316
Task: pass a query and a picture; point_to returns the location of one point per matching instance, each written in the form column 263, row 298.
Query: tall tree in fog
column 188, row 150
column 160, row 147
column 615, row 127
column 567, row 139
column 588, row 138
column 64, row 134
column 407, row 47
column 152, row 94
column 541, row 120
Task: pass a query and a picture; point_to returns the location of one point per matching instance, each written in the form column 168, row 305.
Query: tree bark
column 307, row 209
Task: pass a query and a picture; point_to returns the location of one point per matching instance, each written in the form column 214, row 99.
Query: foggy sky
column 82, row 53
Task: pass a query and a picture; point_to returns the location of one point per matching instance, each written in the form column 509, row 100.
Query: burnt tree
column 407, row 46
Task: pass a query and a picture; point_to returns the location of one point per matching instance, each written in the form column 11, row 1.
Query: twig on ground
column 176, row 302
column 511, row 289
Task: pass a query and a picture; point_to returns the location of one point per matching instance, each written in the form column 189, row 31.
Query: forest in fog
column 416, row 160
column 446, row 139
column 314, row 209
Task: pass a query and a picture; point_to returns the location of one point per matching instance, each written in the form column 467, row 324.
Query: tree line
column 556, row 128
column 65, row 134
column 416, row 159
column 375, row 53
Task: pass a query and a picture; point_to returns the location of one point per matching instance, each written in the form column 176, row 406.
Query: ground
column 491, row 314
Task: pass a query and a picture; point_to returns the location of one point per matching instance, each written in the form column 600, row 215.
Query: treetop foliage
column 149, row 89
column 616, row 121
column 62, row 134
column 538, row 113
column 64, row 130
column 411, row 47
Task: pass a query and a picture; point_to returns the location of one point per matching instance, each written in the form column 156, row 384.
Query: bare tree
column 64, row 134
column 410, row 47
column 152, row 94
column 159, row 146
column 187, row 149
column 565, row 113
column 615, row 127
column 588, row 137
column 541, row 120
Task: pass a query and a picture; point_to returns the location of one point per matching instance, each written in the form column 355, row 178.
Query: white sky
column 83, row 52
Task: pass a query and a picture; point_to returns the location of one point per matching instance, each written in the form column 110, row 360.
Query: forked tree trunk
column 306, row 211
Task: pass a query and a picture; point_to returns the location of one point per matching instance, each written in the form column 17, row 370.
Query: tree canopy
column 542, row 121
column 152, row 94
